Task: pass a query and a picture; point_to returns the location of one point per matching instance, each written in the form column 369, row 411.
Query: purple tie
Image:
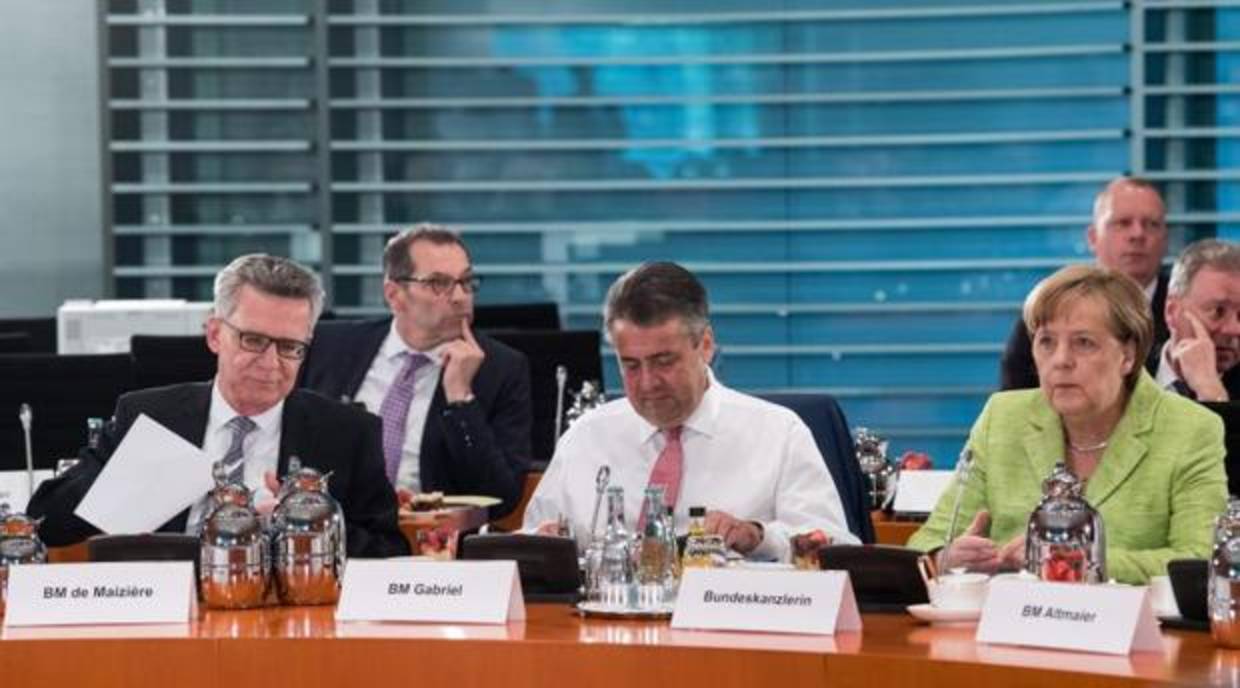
column 394, row 410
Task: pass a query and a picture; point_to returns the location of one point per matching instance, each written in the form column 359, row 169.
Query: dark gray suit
column 479, row 448
column 322, row 433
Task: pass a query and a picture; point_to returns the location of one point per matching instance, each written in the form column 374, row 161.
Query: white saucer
column 928, row 612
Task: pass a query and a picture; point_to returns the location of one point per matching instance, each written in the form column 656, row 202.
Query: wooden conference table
column 304, row 647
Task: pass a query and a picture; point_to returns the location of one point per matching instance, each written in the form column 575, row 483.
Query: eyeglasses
column 442, row 284
column 255, row 343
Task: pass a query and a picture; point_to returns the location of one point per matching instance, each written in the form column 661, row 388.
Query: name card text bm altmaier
column 446, row 591
column 1111, row 619
column 820, row 602
column 100, row 593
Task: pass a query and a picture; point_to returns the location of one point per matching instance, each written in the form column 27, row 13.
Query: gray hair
column 652, row 293
column 1104, row 196
column 396, row 259
column 270, row 275
column 1223, row 256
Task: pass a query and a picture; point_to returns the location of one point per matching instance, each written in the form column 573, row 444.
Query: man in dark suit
column 1200, row 360
column 455, row 404
column 250, row 417
column 1128, row 234
column 1203, row 313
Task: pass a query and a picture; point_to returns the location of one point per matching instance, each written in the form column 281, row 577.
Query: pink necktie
column 667, row 470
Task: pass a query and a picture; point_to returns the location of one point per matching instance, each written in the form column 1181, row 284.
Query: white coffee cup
column 958, row 591
column 1162, row 597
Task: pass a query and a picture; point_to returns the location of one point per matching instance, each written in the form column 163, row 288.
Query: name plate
column 819, row 602
column 463, row 591
column 1110, row 619
column 100, row 593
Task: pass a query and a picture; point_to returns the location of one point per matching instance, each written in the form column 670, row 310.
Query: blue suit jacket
column 480, row 448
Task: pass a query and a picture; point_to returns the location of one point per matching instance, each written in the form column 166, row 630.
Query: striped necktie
column 234, row 459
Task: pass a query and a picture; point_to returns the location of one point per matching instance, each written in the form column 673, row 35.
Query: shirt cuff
column 774, row 545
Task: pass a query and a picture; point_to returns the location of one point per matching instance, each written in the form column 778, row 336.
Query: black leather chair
column 15, row 343
column 169, row 359
column 144, row 547
column 579, row 351
column 63, row 391
column 517, row 316
column 40, row 333
column 547, row 565
column 826, row 421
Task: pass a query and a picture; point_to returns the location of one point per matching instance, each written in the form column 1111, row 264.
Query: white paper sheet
column 150, row 478
column 919, row 491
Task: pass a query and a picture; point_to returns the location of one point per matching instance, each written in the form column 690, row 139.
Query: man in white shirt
column 1203, row 313
column 754, row 465
column 1128, row 234
column 455, row 404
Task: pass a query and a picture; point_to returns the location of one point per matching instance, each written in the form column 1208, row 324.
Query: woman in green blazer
column 1152, row 460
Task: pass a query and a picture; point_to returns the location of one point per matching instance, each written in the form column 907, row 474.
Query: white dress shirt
column 744, row 456
column 261, row 449
column 383, row 370
column 1165, row 376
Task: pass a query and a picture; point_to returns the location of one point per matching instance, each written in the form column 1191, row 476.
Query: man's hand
column 1193, row 356
column 742, row 536
column 267, row 504
column 971, row 549
column 461, row 360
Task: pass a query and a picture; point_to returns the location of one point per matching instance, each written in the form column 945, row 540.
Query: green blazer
column 1158, row 486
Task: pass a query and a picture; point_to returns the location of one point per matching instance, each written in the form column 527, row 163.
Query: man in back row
column 1203, row 313
column 455, row 404
column 250, row 417
column 753, row 464
column 1128, row 234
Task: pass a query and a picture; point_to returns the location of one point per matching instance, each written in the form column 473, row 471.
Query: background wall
column 51, row 246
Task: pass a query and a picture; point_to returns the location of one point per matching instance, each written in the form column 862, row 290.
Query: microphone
column 561, row 380
column 25, row 414
column 964, row 467
column 600, row 486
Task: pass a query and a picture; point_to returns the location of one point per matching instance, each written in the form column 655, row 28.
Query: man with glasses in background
column 455, row 404
column 250, row 417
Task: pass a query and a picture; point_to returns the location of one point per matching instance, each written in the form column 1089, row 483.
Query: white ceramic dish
column 927, row 612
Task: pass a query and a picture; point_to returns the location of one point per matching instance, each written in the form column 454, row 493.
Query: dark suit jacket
column 323, row 434
column 1016, row 368
column 479, row 448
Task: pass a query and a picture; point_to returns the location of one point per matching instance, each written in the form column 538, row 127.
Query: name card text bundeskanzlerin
column 819, row 602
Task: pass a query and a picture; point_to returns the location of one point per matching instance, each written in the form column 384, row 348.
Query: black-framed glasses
column 442, row 284
column 255, row 343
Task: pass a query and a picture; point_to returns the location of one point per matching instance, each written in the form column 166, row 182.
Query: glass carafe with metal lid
column 234, row 553
column 19, row 545
column 307, row 532
column 1223, row 597
column 1065, row 540
column 880, row 474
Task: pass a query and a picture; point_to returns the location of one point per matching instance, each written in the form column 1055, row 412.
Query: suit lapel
column 1043, row 437
column 432, row 439
column 294, row 430
column 188, row 415
column 1128, row 446
column 363, row 356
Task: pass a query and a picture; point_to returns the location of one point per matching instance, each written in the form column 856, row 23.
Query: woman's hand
column 1012, row 555
column 972, row 550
